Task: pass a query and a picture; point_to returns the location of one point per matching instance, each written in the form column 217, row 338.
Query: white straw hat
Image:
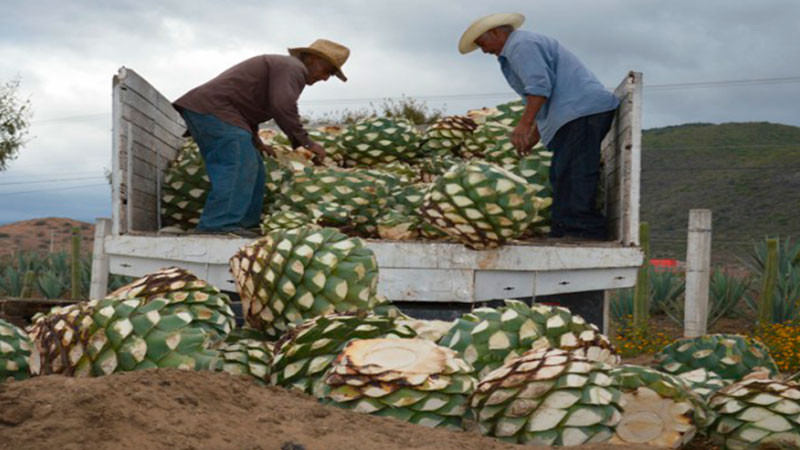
column 484, row 24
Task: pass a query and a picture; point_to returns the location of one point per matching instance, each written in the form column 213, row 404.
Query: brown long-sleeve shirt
column 255, row 90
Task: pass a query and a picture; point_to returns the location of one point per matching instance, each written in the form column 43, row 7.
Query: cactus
column 641, row 293
column 75, row 279
column 27, row 284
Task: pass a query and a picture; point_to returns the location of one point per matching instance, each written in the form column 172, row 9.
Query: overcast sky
column 65, row 53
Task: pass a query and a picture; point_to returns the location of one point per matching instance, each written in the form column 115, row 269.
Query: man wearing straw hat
column 223, row 115
column 566, row 107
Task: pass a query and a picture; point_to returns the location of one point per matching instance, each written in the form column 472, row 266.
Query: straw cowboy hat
column 484, row 24
column 330, row 51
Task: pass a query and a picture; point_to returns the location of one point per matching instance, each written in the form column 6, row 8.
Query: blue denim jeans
column 574, row 175
column 236, row 170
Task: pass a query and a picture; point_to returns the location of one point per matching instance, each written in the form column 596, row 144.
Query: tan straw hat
column 330, row 51
column 484, row 24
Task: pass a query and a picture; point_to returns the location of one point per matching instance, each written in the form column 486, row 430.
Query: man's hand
column 319, row 153
column 526, row 133
column 264, row 148
column 524, row 137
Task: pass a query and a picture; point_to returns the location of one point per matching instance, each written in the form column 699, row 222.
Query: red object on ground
column 664, row 264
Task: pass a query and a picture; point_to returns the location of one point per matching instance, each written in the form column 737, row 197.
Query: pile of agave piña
column 459, row 180
column 528, row 374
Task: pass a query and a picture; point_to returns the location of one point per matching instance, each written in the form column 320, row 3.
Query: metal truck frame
column 147, row 136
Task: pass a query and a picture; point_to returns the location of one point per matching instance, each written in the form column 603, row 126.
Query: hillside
column 43, row 235
column 748, row 174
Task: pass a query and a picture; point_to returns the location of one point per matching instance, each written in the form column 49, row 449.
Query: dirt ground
column 181, row 410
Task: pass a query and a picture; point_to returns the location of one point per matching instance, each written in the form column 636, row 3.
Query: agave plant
column 788, row 256
column 786, row 297
column 51, row 283
column 724, row 294
column 58, row 262
column 30, row 261
column 11, row 281
column 666, row 292
column 666, row 296
column 622, row 305
column 786, row 300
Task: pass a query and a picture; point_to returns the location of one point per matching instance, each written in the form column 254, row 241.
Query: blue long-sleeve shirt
column 534, row 64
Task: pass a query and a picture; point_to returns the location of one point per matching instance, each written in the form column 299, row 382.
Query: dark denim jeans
column 574, row 175
column 236, row 170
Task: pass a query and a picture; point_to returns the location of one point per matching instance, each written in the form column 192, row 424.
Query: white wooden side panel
column 561, row 282
column 621, row 152
column 426, row 285
column 207, row 249
column 636, row 161
column 497, row 284
column 411, row 271
column 216, row 274
column 509, row 257
column 146, row 137
column 196, row 249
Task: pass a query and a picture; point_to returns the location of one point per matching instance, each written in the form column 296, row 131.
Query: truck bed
column 147, row 135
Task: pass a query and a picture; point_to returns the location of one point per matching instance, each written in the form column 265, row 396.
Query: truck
column 429, row 279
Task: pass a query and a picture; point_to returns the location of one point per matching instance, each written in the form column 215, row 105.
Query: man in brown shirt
column 223, row 115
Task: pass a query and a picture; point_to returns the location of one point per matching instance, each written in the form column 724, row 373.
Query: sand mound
column 177, row 410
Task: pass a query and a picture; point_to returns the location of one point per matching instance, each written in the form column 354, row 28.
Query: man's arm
column 285, row 89
column 526, row 133
column 529, row 62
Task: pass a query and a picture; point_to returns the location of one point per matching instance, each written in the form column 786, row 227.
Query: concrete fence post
column 698, row 263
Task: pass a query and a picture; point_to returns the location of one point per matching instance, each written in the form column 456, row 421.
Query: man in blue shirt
column 566, row 107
